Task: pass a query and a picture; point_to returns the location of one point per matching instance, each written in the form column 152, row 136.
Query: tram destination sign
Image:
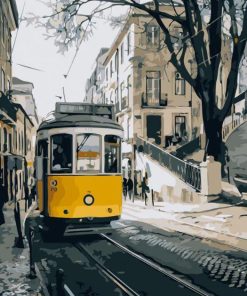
column 74, row 108
column 84, row 108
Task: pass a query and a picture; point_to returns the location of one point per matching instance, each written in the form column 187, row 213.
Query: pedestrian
column 130, row 187
column 125, row 188
column 146, row 190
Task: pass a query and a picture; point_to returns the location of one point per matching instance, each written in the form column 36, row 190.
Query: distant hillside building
column 93, row 90
column 22, row 93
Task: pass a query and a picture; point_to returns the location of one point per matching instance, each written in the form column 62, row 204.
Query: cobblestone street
column 206, row 263
column 14, row 262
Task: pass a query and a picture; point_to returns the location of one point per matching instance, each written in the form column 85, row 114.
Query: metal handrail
column 188, row 172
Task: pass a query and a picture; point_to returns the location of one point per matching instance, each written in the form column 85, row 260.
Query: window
column 10, row 142
column 122, row 52
column 128, row 129
column 153, row 35
column 5, row 140
column 22, row 142
column 122, row 90
column 180, row 128
column 128, row 43
column 9, row 44
column 106, row 74
column 179, row 84
column 111, row 69
column 112, row 154
column 88, row 153
column 128, row 90
column 42, row 148
column 153, row 88
column 116, row 61
column 61, row 153
column 2, row 80
column 116, row 95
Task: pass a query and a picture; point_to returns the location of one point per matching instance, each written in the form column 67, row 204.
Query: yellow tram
column 78, row 165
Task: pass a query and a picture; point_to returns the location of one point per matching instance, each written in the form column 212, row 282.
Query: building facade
column 93, row 90
column 22, row 96
column 8, row 23
column 152, row 100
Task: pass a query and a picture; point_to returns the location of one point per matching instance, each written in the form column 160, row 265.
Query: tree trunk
column 213, row 130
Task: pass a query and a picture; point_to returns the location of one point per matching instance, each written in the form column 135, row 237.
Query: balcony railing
column 189, row 173
column 153, row 103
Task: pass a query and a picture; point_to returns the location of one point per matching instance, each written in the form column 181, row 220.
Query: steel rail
column 123, row 286
column 158, row 268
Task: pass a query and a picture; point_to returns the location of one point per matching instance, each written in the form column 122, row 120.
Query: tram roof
column 69, row 120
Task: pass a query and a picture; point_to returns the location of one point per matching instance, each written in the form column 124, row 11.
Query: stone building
column 93, row 90
column 152, row 100
column 8, row 23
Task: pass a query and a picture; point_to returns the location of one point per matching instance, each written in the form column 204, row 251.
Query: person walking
column 125, row 188
column 130, row 187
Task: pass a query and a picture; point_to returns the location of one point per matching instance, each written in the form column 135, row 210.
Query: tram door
column 41, row 172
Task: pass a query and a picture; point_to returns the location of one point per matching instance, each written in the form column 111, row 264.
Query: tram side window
column 42, row 148
column 112, row 154
column 61, row 156
column 88, row 156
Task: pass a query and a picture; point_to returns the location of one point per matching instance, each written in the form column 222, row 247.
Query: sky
column 33, row 50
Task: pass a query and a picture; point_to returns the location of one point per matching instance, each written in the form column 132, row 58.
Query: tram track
column 109, row 274
column 149, row 268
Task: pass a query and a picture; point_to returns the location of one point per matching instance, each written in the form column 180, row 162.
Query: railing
column 188, row 172
column 188, row 148
column 233, row 123
column 154, row 102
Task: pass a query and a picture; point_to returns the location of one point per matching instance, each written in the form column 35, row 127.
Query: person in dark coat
column 130, row 186
column 125, row 187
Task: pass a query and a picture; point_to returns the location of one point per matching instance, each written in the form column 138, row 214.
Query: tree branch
column 239, row 45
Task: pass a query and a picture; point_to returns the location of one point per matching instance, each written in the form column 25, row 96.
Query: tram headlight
column 88, row 199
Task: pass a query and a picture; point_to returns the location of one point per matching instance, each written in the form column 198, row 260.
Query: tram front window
column 112, row 154
column 61, row 159
column 88, row 153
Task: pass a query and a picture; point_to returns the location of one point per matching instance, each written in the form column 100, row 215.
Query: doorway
column 154, row 128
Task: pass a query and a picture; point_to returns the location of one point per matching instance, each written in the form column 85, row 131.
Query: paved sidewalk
column 14, row 262
column 222, row 220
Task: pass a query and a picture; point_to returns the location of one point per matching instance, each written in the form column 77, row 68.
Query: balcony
column 153, row 103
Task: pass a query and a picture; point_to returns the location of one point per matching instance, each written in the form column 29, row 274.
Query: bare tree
column 206, row 26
